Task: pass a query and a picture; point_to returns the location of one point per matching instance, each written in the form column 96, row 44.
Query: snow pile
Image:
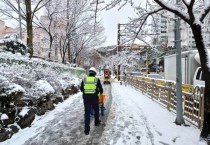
column 24, row 111
column 4, row 116
column 11, row 89
column 42, row 88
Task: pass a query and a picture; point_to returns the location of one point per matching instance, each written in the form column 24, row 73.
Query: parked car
column 155, row 76
column 136, row 74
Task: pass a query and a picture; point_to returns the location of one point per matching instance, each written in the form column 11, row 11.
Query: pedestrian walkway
column 133, row 119
column 137, row 120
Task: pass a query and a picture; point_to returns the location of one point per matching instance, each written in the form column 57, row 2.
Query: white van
column 198, row 77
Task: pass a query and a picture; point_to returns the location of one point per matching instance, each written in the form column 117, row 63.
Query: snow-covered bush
column 40, row 89
column 25, row 72
column 9, row 93
column 14, row 45
column 31, row 73
column 3, row 81
column 36, row 84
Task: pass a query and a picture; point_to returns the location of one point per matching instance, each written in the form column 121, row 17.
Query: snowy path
column 62, row 126
column 137, row 120
column 133, row 119
column 98, row 131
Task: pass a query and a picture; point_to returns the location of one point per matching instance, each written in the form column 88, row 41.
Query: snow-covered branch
column 174, row 9
column 206, row 10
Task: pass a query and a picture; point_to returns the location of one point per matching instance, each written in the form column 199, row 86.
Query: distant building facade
column 41, row 41
column 164, row 27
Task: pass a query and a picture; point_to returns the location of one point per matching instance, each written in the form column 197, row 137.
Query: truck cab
column 198, row 77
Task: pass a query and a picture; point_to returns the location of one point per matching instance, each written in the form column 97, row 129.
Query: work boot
column 98, row 123
column 86, row 132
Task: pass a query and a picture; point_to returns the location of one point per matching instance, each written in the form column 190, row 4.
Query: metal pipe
column 179, row 109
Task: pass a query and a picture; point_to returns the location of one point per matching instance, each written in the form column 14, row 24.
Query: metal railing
column 164, row 92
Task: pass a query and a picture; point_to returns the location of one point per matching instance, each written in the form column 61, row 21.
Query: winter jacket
column 91, row 87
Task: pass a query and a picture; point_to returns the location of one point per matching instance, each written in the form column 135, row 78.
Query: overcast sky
column 110, row 20
column 114, row 16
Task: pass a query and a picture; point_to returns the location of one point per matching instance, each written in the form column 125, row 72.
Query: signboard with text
column 187, row 89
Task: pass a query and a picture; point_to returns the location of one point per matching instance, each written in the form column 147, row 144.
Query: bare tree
column 81, row 32
column 27, row 14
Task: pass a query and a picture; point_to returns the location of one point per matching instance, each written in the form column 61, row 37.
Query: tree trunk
column 75, row 60
column 64, row 54
column 68, row 34
column 29, row 27
column 51, row 41
column 197, row 31
column 69, row 50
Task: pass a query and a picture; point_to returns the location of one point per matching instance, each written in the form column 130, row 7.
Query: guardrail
column 164, row 92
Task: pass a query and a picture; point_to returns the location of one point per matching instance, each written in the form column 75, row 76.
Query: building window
column 163, row 36
column 45, row 49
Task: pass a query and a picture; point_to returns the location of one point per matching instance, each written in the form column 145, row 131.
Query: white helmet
column 92, row 69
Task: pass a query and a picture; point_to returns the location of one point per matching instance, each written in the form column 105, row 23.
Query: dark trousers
column 95, row 106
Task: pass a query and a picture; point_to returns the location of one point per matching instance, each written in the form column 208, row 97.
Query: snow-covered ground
column 133, row 119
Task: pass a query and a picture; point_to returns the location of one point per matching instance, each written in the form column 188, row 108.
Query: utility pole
column 118, row 37
column 157, row 62
column 147, row 63
column 20, row 20
column 179, row 120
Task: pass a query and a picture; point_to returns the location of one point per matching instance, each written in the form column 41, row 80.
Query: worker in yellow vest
column 91, row 87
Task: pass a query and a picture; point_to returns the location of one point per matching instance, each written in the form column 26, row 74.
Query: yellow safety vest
column 90, row 84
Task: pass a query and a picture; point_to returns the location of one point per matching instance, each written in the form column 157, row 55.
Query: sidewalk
column 137, row 120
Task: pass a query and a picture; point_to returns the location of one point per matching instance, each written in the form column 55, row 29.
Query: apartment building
column 5, row 30
column 164, row 26
column 41, row 41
